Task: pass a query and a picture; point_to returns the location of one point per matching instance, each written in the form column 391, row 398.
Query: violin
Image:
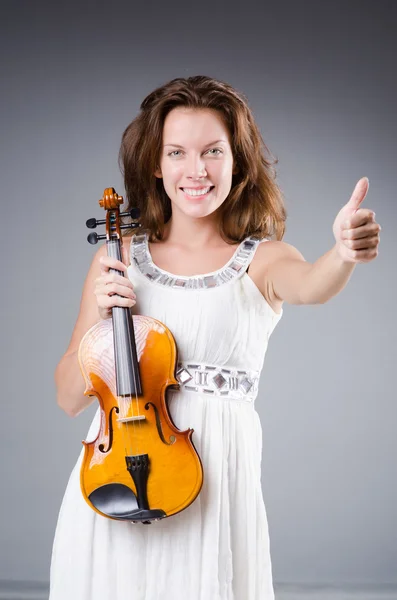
column 141, row 467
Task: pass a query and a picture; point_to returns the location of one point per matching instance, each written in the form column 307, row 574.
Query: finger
column 108, row 277
column 363, row 255
column 362, row 243
column 359, row 193
column 108, row 262
column 116, row 288
column 360, row 217
column 361, row 232
column 109, row 301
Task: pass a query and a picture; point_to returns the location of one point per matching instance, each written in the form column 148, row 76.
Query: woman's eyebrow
column 210, row 144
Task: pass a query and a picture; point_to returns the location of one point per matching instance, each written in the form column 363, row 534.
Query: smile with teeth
column 200, row 192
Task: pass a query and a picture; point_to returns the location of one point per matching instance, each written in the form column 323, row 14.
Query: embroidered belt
column 218, row 381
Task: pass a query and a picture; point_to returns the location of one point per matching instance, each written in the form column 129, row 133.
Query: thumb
column 359, row 193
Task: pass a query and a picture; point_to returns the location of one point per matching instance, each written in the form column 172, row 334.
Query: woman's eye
column 211, row 149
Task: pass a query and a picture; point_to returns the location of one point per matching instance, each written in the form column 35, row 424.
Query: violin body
column 174, row 471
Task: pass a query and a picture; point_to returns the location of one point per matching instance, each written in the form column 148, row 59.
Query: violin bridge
column 129, row 419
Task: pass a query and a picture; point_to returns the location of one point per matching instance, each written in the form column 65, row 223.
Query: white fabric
column 218, row 548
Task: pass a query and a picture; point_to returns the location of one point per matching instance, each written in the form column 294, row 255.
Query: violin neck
column 128, row 381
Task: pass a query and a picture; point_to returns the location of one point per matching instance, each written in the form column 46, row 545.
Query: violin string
column 141, row 422
column 131, row 435
column 130, row 333
column 124, row 367
column 121, row 424
column 121, row 400
column 125, row 403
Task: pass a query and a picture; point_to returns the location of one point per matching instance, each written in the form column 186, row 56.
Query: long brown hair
column 255, row 204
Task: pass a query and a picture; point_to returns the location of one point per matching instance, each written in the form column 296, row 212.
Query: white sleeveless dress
column 218, row 548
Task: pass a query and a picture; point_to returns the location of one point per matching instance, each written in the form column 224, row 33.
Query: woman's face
column 196, row 153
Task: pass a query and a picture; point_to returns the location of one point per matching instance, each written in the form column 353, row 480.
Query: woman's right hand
column 112, row 289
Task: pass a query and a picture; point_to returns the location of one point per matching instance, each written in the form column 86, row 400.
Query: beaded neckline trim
column 142, row 258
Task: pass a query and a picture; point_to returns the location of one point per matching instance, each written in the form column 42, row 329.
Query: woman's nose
column 196, row 167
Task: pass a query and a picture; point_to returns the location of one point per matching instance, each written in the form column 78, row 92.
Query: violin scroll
column 110, row 199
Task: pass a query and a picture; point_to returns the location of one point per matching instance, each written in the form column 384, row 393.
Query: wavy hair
column 254, row 205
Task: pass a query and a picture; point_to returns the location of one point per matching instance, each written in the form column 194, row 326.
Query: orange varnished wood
column 176, row 475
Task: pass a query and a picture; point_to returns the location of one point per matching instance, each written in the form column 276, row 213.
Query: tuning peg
column 93, row 237
column 92, row 223
column 130, row 226
column 134, row 213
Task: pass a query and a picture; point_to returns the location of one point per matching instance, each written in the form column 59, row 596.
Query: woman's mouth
column 197, row 194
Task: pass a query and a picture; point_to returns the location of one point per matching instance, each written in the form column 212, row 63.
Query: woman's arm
column 102, row 290
column 299, row 282
column 357, row 239
column 68, row 377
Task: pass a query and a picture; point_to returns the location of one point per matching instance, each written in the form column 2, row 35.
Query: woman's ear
column 157, row 173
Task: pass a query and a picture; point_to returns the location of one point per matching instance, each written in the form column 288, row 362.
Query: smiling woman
column 195, row 165
column 201, row 172
column 220, row 147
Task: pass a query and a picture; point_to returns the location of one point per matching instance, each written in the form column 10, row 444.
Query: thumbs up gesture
column 355, row 229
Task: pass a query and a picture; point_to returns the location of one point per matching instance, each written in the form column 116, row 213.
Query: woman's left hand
column 355, row 229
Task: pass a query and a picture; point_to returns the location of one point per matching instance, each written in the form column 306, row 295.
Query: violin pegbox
column 111, row 201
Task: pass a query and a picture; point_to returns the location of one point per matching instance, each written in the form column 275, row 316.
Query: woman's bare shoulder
column 266, row 257
column 274, row 250
column 270, row 252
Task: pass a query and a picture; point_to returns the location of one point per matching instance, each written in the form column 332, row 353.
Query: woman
column 210, row 264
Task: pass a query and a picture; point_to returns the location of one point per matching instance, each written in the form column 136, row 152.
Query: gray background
column 320, row 79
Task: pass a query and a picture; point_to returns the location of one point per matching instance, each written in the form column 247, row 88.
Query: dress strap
column 234, row 268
